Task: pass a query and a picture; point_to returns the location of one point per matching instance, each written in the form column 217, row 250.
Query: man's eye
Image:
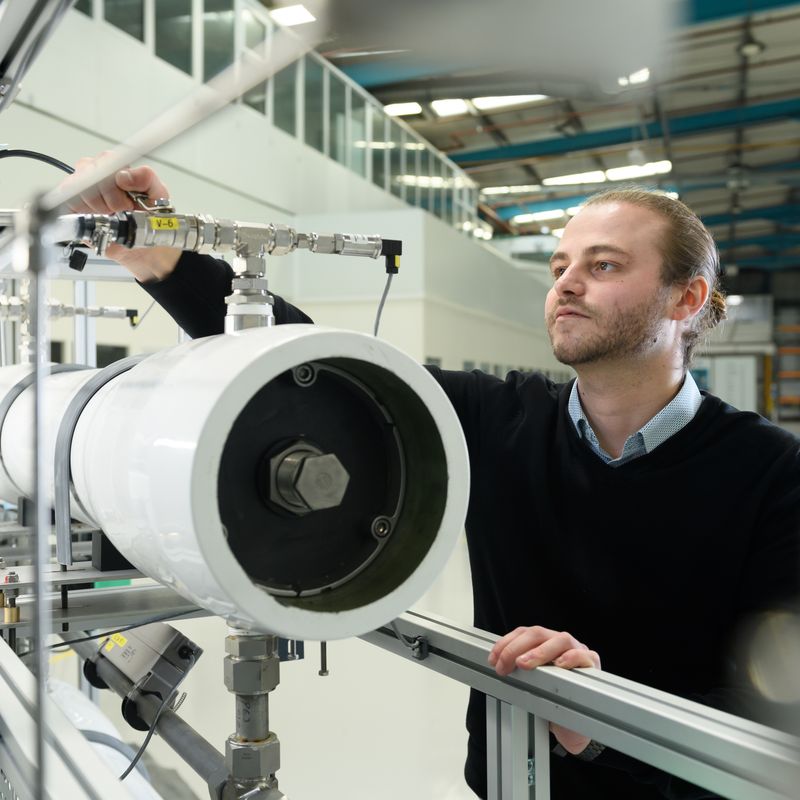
column 558, row 271
column 605, row 266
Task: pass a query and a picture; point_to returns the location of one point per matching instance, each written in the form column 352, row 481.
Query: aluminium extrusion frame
column 731, row 756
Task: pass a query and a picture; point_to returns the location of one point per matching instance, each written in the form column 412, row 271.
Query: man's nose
column 569, row 282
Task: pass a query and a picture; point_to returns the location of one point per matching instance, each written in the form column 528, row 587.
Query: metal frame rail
column 725, row 754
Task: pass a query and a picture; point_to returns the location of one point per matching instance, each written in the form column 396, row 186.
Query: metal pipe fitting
column 251, row 671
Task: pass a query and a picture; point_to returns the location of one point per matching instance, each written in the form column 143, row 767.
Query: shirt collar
column 666, row 423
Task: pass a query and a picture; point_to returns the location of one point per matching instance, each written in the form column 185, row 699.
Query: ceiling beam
column 679, row 126
column 788, row 212
column 700, row 11
column 772, row 241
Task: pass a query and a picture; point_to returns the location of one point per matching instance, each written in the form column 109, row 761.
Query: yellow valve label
column 397, row 262
column 116, row 638
column 164, row 223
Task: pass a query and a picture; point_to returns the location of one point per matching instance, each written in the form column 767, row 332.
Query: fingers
column 514, row 644
column 528, row 648
column 578, row 657
column 111, row 195
column 143, row 180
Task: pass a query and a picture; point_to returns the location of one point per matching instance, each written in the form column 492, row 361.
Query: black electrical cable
column 383, row 300
column 54, row 162
column 162, row 618
column 149, row 736
column 99, row 737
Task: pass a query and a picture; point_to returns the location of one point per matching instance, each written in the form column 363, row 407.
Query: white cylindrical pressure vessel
column 302, row 481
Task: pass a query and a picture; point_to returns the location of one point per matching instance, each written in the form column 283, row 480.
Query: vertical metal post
column 541, row 757
column 84, row 335
column 369, row 144
column 300, row 99
column 37, row 255
column 149, row 25
column 326, row 111
column 348, row 126
column 198, row 59
column 506, row 751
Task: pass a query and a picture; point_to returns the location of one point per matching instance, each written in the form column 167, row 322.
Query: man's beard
column 612, row 336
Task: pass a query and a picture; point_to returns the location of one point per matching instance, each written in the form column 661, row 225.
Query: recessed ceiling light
column 402, row 109
column 640, row 76
column 487, row 103
column 539, row 216
column 450, row 107
column 595, row 176
column 289, row 16
column 524, row 188
column 639, row 171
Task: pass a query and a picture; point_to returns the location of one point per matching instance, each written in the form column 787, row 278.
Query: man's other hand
column 527, row 648
column 145, row 264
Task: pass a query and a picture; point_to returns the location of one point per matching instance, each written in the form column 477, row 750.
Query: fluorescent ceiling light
column 449, row 108
column 557, row 232
column 734, row 300
column 423, row 181
column 596, row 176
column 488, row 103
column 402, row 109
column 539, row 216
column 638, row 171
column 341, row 54
column 292, row 15
column 573, row 210
column 640, row 76
column 363, row 145
column 672, row 195
column 521, row 189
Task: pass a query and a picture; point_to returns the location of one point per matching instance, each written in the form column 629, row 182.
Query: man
column 648, row 520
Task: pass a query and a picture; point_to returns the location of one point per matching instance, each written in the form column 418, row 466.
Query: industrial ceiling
column 722, row 104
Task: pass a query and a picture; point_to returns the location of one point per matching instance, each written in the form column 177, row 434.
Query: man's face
column 607, row 302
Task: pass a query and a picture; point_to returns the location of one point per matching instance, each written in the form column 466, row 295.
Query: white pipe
column 146, row 457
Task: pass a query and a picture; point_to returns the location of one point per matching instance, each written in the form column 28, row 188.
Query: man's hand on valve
column 112, row 195
column 527, row 648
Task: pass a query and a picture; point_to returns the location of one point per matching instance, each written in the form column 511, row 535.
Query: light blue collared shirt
column 675, row 415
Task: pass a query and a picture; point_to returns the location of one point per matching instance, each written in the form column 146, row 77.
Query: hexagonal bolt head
column 251, row 677
column 303, row 479
column 322, row 482
column 249, row 760
column 250, row 646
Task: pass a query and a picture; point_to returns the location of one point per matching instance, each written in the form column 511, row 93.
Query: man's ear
column 689, row 300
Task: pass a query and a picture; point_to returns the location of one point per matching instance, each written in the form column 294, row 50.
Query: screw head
column 381, row 527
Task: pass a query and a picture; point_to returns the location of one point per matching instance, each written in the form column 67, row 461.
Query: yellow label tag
column 397, row 262
column 116, row 638
column 164, row 223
